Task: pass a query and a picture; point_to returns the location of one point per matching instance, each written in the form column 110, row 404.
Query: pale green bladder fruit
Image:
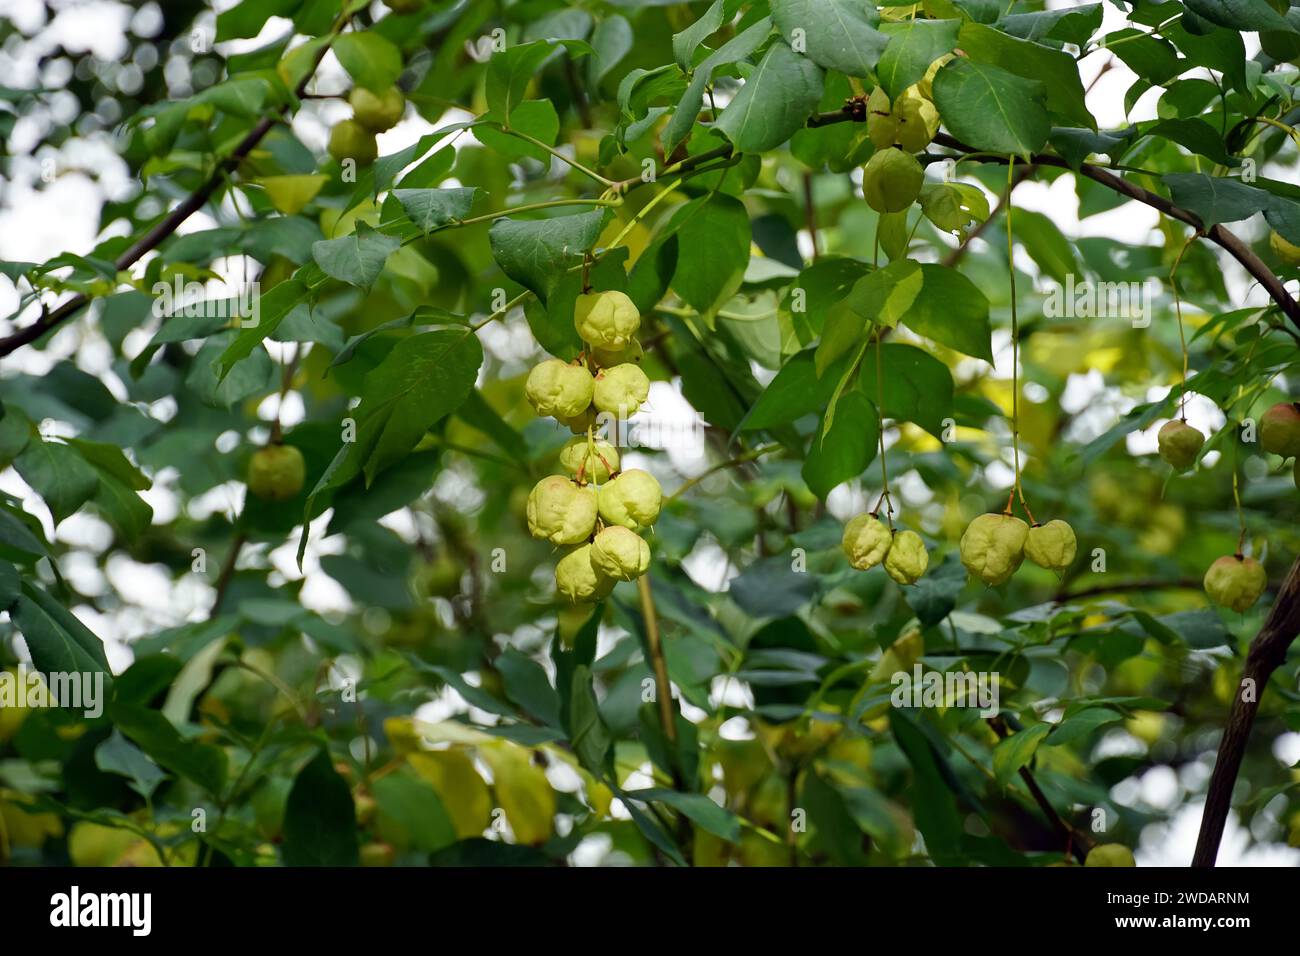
column 925, row 86
column 621, row 390
column 906, row 559
column 866, row 541
column 350, row 140
column 557, row 388
column 276, row 473
column 589, row 461
column 1279, row 430
column 377, row 111
column 608, row 358
column 632, row 499
column 993, row 546
column 606, row 320
column 1179, row 444
column 561, row 511
column 891, row 180
column 620, row 553
column 578, row 579
column 1235, row 582
column 1052, row 545
column 918, row 120
column 882, row 124
column 1110, row 854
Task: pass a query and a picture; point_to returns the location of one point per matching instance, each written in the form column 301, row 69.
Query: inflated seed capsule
column 1179, row 444
column 606, row 320
column 632, row 499
column 1235, row 582
column 578, row 579
column 596, row 460
column 906, row 559
column 1279, row 430
column 561, row 511
column 1051, row 545
column 993, row 546
column 866, row 541
column 621, row 390
column 891, row 180
column 557, row 388
column 620, row 553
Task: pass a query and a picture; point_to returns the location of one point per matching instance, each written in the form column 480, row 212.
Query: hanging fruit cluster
column 371, row 113
column 892, row 178
column 595, row 510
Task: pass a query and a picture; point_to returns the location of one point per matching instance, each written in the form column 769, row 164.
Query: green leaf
column 205, row 764
column 510, row 71
column 589, row 736
column 796, row 391
column 817, row 289
column 954, row 207
column 1012, row 753
column 688, row 41
column 882, row 298
column 357, row 258
column 991, row 109
column 57, row 641
column 698, row 808
column 917, row 387
column 416, row 808
column 935, row 808
column 431, row 208
column 372, row 61
column 1240, row 15
column 688, row 107
column 422, row 380
column 1217, row 199
column 951, row 310
column 320, row 820
column 913, row 46
column 838, row 34
column 527, row 685
column 536, row 252
column 845, row 450
column 272, row 309
column 535, row 118
column 1045, row 243
column 59, row 475
column 720, row 224
column 774, row 103
column 1057, row 70
column 118, row 755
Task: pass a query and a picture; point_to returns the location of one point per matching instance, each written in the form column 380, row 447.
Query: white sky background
column 39, row 220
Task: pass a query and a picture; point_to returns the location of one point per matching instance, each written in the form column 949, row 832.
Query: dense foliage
column 271, row 444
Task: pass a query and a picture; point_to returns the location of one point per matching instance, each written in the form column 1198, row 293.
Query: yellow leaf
column 522, row 790
column 459, row 786
column 290, row 194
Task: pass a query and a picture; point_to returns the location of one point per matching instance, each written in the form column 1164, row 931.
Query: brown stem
column 1266, row 654
column 663, row 689
column 227, row 572
column 1078, row 845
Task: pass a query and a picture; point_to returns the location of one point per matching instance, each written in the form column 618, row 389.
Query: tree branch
column 1266, row 654
column 165, row 226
